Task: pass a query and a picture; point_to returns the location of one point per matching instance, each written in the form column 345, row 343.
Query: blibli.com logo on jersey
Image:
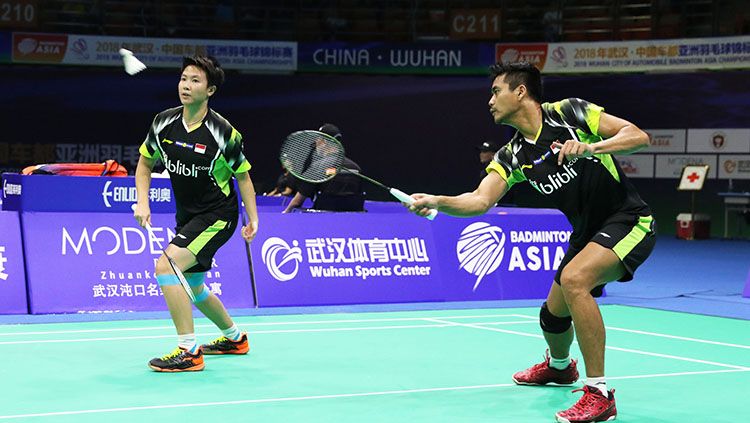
column 281, row 259
column 176, row 167
column 557, row 180
column 481, row 247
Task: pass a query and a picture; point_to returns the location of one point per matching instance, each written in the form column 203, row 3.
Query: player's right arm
column 488, row 193
column 142, row 210
column 149, row 155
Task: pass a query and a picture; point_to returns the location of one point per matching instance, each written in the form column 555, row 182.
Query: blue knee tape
column 168, row 279
column 203, row 294
column 195, row 279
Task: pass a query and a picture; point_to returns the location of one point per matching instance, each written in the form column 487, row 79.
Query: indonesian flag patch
column 200, row 149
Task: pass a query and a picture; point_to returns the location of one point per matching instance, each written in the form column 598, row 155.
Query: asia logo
column 3, row 260
column 480, row 249
column 281, row 260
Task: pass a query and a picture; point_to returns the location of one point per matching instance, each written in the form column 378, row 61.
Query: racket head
column 312, row 156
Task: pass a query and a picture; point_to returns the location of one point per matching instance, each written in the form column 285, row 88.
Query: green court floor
column 416, row 366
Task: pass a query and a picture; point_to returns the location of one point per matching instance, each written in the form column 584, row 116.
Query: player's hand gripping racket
column 316, row 157
column 177, row 272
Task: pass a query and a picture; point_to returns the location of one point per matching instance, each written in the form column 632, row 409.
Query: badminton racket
column 177, row 272
column 316, row 157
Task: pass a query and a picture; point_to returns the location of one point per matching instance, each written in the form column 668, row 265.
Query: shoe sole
column 240, row 351
column 542, row 384
column 564, row 420
column 189, row 369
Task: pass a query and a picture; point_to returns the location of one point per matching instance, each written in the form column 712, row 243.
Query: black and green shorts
column 631, row 237
column 203, row 235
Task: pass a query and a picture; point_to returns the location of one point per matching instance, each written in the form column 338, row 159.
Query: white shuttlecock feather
column 132, row 64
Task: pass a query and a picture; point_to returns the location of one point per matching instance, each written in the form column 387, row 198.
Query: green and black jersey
column 200, row 162
column 589, row 191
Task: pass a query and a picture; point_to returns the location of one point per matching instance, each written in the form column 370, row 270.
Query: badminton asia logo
column 3, row 260
column 480, row 250
column 281, row 260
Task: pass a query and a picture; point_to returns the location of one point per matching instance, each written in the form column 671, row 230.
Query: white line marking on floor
column 673, row 357
column 241, row 323
column 258, row 332
column 332, row 396
column 664, row 335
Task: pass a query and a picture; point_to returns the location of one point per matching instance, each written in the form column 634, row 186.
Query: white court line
column 311, row 322
column 323, row 397
column 673, row 357
column 664, row 335
column 362, row 328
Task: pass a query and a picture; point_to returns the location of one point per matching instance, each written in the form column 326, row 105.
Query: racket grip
column 408, row 199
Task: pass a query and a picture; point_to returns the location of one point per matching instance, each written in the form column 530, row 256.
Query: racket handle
column 408, row 199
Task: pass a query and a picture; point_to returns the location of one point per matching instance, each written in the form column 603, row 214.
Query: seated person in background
column 284, row 186
column 342, row 193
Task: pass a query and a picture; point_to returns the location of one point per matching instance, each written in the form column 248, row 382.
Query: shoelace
column 218, row 340
column 587, row 400
column 177, row 351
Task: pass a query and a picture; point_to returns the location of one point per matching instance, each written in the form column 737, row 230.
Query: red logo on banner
column 536, row 54
column 39, row 48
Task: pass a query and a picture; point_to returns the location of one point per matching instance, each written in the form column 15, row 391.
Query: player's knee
column 162, row 266
column 201, row 293
column 551, row 323
column 573, row 281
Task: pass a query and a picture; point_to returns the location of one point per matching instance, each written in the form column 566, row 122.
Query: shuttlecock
column 132, row 64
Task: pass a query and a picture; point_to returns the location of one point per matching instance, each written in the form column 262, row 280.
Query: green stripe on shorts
column 636, row 235
column 201, row 240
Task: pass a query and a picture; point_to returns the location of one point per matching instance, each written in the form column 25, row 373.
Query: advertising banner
column 665, row 141
column 670, row 165
column 344, row 258
column 81, row 193
column 396, row 58
column 511, row 254
column 637, row 165
column 633, row 56
column 12, row 275
column 734, row 166
column 103, row 262
column 70, row 49
column 736, row 140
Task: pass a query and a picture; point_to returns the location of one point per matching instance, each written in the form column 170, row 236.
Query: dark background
column 415, row 132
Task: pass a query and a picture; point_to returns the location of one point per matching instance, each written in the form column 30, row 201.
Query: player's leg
column 613, row 254
column 216, row 231
column 557, row 367
column 556, row 324
column 187, row 356
column 593, row 266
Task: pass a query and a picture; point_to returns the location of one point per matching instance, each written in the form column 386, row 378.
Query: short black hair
column 332, row 130
column 209, row 64
column 517, row 73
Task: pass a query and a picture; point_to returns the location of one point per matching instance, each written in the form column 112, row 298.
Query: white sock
column 187, row 341
column 599, row 383
column 232, row 333
column 559, row 363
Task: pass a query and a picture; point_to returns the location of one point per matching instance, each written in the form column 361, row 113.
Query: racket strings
column 312, row 156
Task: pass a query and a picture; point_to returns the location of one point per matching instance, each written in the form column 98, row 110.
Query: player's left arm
column 247, row 192
column 619, row 136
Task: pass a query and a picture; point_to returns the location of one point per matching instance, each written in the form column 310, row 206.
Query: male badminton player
column 201, row 152
column 564, row 150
